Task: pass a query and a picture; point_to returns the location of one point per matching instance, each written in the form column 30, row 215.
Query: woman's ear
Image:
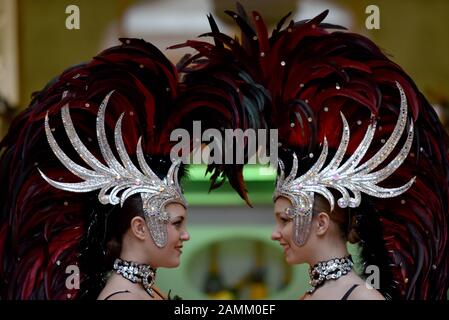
column 139, row 228
column 322, row 223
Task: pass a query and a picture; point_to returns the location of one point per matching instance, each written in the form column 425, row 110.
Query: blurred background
column 230, row 255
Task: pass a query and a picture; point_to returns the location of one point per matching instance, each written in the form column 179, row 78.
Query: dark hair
column 118, row 222
column 107, row 225
column 346, row 219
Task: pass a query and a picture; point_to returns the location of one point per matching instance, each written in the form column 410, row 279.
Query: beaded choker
column 329, row 270
column 136, row 273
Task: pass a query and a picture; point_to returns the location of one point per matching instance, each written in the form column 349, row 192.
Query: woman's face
column 169, row 255
column 283, row 232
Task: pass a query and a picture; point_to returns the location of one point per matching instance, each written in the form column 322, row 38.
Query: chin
column 292, row 259
column 173, row 264
column 289, row 259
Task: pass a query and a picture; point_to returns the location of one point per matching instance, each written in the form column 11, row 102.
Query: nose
column 185, row 236
column 275, row 235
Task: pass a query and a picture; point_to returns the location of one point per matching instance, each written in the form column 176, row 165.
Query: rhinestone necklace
column 136, row 273
column 329, row 270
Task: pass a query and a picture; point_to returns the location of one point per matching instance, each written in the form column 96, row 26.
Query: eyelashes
column 283, row 220
column 177, row 224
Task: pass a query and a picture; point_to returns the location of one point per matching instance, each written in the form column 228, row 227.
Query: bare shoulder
column 362, row 292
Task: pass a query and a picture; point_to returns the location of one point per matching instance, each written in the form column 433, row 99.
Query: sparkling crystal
column 120, row 175
column 351, row 176
column 342, row 203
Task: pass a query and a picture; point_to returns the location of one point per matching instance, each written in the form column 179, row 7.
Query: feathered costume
column 311, row 74
column 45, row 231
column 225, row 97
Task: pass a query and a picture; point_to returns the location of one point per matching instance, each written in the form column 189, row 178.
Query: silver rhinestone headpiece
column 118, row 176
column 350, row 179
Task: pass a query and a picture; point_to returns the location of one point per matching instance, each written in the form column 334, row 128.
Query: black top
column 114, row 293
column 126, row 291
column 348, row 293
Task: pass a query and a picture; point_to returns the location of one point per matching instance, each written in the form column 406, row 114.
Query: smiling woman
column 148, row 208
column 327, row 239
column 352, row 122
column 136, row 256
column 101, row 181
column 92, row 195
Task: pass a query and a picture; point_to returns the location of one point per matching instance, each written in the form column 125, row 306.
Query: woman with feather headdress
column 88, row 185
column 363, row 156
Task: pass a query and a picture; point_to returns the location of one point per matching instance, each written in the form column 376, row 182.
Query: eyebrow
column 278, row 214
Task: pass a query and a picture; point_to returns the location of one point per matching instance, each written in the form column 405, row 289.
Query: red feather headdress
column 311, row 74
column 44, row 230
